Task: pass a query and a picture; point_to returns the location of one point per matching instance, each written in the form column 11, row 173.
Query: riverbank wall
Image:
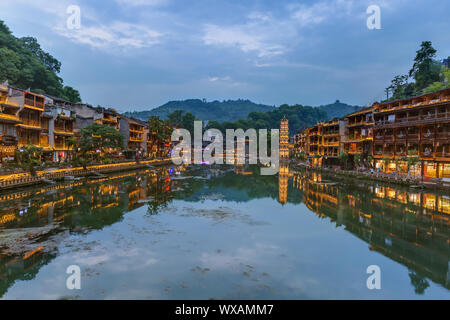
column 18, row 180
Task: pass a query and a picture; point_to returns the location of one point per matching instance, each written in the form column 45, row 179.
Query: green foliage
column 179, row 119
column 227, row 110
column 429, row 75
column 298, row 116
column 71, row 94
column 160, row 129
column 29, row 157
column 25, row 65
column 94, row 138
column 338, row 109
column 301, row 156
column 424, row 70
column 230, row 111
column 343, row 158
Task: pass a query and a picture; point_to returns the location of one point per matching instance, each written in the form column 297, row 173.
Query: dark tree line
column 25, row 65
column 426, row 75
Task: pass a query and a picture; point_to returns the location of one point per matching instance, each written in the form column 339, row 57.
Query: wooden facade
column 392, row 133
column 416, row 127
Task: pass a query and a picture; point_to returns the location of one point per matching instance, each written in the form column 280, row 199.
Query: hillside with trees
column 425, row 76
column 338, row 109
column 300, row 117
column 227, row 110
column 25, row 65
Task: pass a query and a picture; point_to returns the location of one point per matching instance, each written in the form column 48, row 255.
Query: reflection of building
column 410, row 228
column 283, row 179
column 78, row 206
column 284, row 138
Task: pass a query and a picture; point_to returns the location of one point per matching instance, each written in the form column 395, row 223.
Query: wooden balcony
column 412, row 136
column 34, row 103
column 360, row 123
column 415, row 120
column 442, row 155
column 443, row 135
column 8, row 140
column 9, row 118
column 63, row 132
column 30, row 124
column 61, row 146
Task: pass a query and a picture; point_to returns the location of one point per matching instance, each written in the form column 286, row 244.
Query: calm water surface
column 223, row 233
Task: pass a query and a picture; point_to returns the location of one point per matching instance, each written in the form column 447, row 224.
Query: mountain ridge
column 229, row 110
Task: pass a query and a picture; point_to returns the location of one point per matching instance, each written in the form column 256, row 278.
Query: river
column 224, row 232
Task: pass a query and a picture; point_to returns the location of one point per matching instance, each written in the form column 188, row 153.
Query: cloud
column 214, row 79
column 139, row 3
column 117, row 35
column 268, row 35
column 244, row 37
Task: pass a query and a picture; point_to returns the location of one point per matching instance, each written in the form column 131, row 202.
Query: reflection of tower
column 283, row 178
column 284, row 138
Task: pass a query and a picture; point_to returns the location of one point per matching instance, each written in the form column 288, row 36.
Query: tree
column 439, row 85
column 425, row 70
column 9, row 66
column 398, row 86
column 96, row 140
column 71, row 94
column 412, row 161
column 418, row 281
column 343, row 157
column 160, row 131
column 45, row 58
column 29, row 157
column 179, row 119
column 25, row 65
column 175, row 118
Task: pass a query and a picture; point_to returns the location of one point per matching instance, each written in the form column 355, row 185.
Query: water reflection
column 33, row 221
column 409, row 227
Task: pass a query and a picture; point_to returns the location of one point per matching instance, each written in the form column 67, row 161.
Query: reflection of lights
column 30, row 254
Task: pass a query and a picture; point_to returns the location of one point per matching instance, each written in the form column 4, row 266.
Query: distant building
column 8, row 121
column 284, row 138
column 60, row 128
column 135, row 135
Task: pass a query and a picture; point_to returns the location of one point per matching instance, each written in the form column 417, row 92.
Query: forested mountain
column 299, row 117
column 25, row 65
column 338, row 109
column 228, row 110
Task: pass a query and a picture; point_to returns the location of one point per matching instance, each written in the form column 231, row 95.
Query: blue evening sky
column 139, row 54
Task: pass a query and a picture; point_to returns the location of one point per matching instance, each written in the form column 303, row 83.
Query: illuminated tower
column 283, row 178
column 284, row 138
